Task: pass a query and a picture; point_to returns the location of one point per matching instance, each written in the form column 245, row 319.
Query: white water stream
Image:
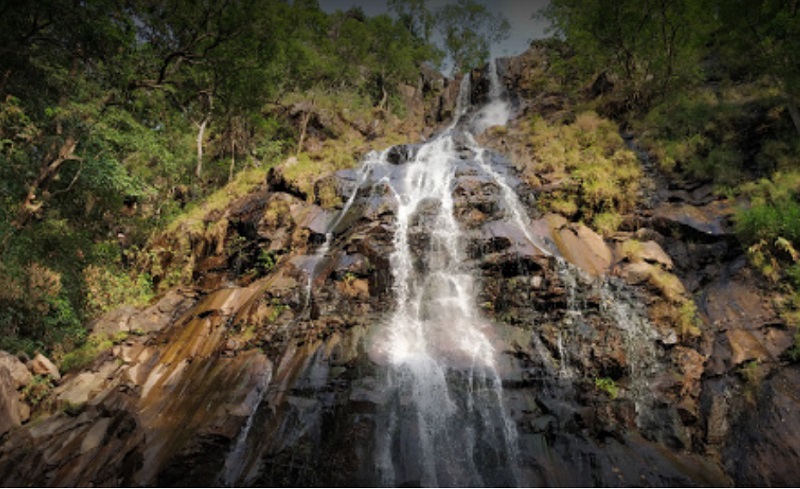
column 446, row 414
column 444, row 421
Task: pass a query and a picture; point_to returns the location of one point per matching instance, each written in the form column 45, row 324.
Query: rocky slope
column 263, row 373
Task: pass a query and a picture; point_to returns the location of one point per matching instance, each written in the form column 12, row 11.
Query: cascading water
column 446, row 423
column 497, row 110
column 235, row 460
column 312, row 266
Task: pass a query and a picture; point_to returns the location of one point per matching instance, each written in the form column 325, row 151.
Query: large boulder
column 41, row 365
column 18, row 371
column 580, row 245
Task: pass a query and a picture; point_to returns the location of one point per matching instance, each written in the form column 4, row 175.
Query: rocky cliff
column 647, row 356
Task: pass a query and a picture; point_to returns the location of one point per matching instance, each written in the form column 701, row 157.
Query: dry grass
column 599, row 175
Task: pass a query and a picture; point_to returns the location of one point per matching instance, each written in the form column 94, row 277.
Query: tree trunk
column 200, row 132
column 233, row 158
column 794, row 112
column 46, row 174
column 303, row 132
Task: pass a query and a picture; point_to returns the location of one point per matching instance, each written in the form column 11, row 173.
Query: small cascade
column 237, row 457
column 373, row 158
column 463, row 101
column 570, row 277
column 446, row 406
column 497, row 110
column 639, row 335
column 510, row 198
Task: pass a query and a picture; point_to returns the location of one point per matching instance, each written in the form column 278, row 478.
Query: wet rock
column 136, row 422
column 709, row 221
column 765, row 450
column 401, row 154
column 41, row 365
column 730, row 303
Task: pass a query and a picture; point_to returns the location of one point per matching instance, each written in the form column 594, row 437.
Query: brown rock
column 711, row 220
column 9, row 402
column 114, row 322
column 18, row 371
column 580, row 245
column 79, row 389
column 41, row 365
column 745, row 346
column 653, row 253
column 647, row 251
column 159, row 315
column 691, row 366
column 636, row 273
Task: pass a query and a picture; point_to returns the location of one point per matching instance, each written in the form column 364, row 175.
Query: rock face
column 265, row 374
column 14, row 376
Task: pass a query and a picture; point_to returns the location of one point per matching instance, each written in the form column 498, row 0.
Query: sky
column 518, row 12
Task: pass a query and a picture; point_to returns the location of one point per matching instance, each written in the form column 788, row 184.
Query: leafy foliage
column 468, row 29
column 117, row 117
column 598, row 174
column 607, row 385
column 650, row 46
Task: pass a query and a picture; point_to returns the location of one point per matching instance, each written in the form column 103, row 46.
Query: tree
column 651, row 46
column 468, row 29
column 414, row 16
column 765, row 34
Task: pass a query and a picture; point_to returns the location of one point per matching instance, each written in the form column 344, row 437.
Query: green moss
column 243, row 183
column 689, row 322
column 607, row 385
column 606, row 223
column 94, row 346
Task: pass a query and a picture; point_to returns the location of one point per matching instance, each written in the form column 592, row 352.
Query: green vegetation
column 598, row 175
column 119, row 120
column 94, row 346
column 468, row 29
column 712, row 90
column 37, row 390
column 607, row 385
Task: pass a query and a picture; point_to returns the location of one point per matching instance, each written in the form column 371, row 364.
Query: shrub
column 110, row 287
column 94, row 346
column 599, row 175
column 607, row 385
column 37, row 390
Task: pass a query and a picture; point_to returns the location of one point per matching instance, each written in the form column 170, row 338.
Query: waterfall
column 518, row 214
column 446, row 423
column 236, row 458
column 497, row 110
column 312, row 267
